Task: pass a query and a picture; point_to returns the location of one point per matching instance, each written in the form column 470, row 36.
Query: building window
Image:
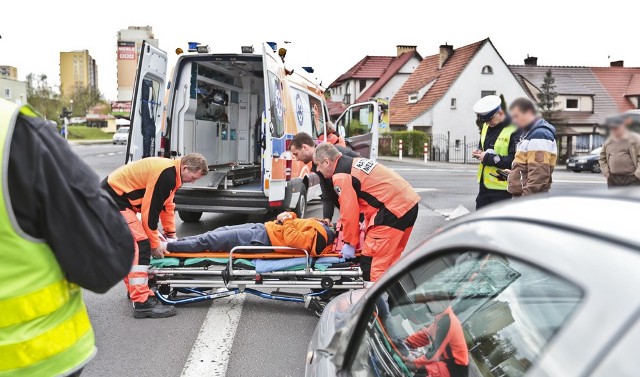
column 572, row 104
column 7, row 93
column 458, row 143
column 453, row 103
column 346, row 99
column 362, row 84
column 487, row 70
column 413, row 97
column 485, row 93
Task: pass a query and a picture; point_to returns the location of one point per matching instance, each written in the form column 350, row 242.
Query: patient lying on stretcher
column 312, row 235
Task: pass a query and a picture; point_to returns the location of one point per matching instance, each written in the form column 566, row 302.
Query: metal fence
column 458, row 151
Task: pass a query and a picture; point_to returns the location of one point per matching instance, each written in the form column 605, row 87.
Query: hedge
column 412, row 142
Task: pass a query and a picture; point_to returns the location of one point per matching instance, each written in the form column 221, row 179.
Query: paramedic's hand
column 283, row 216
column 327, row 222
column 158, row 252
column 348, row 251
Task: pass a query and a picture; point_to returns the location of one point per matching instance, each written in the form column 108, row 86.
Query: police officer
column 496, row 150
column 59, row 232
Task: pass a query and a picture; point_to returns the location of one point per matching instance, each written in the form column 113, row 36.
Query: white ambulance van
column 240, row 111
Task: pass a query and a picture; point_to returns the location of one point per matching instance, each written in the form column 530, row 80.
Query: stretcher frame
column 212, row 283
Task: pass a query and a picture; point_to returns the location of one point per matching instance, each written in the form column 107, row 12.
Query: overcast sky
column 329, row 35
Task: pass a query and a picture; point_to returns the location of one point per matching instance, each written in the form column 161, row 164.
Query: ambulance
column 239, row 110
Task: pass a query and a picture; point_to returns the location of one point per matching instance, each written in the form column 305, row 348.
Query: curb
column 415, row 161
column 90, row 142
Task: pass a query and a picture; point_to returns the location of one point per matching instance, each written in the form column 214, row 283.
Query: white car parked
column 121, row 136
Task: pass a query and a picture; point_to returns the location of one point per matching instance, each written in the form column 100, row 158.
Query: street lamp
column 71, row 103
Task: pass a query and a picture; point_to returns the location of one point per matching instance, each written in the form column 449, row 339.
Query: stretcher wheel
column 326, row 283
column 317, row 306
column 164, row 290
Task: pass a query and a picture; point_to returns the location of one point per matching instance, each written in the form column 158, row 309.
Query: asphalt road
column 271, row 337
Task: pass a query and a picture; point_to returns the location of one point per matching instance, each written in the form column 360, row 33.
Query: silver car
column 121, row 136
column 539, row 287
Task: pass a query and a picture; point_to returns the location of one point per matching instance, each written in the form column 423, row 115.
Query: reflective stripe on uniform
column 140, row 268
column 35, row 304
column 138, row 281
column 47, row 344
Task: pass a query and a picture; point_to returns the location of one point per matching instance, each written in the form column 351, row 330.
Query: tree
column 42, row 97
column 547, row 97
column 85, row 98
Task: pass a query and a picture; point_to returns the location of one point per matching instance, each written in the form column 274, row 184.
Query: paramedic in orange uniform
column 448, row 355
column 332, row 136
column 389, row 205
column 147, row 187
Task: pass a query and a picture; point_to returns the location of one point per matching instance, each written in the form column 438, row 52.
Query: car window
column 356, row 121
column 123, row 131
column 471, row 313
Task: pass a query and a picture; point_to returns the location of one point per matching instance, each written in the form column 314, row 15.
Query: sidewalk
column 439, row 164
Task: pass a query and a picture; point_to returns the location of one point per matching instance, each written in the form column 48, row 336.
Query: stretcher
column 185, row 278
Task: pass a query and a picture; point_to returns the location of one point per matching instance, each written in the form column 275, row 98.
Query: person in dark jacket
column 496, row 150
column 536, row 153
column 302, row 147
column 59, row 231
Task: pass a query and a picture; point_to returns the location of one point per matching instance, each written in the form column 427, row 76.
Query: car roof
column 612, row 215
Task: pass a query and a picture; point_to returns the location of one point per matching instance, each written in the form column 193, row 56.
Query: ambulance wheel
column 301, row 208
column 190, row 217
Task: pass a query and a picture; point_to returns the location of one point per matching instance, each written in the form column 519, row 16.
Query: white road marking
column 419, row 169
column 212, row 349
column 100, row 155
column 111, row 154
column 419, row 190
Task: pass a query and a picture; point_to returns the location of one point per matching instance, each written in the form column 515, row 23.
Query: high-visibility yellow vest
column 44, row 326
column 502, row 149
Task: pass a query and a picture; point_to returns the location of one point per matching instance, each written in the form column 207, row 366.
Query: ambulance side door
column 148, row 102
column 273, row 125
column 359, row 127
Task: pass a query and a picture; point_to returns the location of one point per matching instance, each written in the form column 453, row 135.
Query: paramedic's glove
column 170, row 236
column 158, row 252
column 283, row 216
column 348, row 251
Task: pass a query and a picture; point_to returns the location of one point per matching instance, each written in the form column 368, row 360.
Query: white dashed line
column 212, row 349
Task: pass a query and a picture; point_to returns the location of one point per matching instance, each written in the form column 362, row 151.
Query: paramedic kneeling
column 148, row 187
column 312, row 235
column 389, row 205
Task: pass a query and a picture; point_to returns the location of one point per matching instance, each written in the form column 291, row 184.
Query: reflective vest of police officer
column 501, row 148
column 44, row 326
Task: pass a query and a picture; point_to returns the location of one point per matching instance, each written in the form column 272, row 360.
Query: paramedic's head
column 192, row 167
column 325, row 158
column 302, row 147
column 331, row 128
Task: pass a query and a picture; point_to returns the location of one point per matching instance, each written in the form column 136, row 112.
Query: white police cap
column 487, row 106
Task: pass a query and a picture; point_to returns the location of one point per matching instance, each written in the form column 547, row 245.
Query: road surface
column 248, row 336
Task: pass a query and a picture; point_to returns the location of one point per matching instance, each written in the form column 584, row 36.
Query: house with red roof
column 587, row 96
column 439, row 95
column 373, row 77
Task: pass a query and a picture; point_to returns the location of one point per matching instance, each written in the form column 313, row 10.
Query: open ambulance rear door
column 147, row 108
column 359, row 125
column 273, row 127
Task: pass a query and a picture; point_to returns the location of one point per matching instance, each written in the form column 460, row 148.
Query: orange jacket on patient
column 307, row 234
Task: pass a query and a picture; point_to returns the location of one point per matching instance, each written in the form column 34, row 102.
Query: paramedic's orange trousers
column 384, row 244
column 137, row 281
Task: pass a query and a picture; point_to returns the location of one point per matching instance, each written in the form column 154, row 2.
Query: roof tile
column 388, row 74
column 403, row 112
column 618, row 82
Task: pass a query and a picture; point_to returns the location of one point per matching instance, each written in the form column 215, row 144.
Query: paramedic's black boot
column 152, row 308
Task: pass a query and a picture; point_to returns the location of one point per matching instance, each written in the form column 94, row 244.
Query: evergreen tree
column 547, row 97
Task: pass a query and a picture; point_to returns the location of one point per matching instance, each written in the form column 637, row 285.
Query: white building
column 10, row 87
column 438, row 97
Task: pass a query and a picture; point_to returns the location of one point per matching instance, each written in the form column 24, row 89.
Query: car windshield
column 123, row 130
column 596, row 151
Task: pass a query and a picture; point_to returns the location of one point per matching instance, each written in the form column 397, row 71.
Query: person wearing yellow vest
column 496, row 150
column 59, row 232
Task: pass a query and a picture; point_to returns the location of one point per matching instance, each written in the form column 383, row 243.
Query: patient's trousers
column 223, row 239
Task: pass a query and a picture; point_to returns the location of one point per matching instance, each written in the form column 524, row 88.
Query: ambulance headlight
column 203, row 49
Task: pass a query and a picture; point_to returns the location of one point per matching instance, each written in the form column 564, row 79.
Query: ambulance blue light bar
column 308, row 69
column 273, row 45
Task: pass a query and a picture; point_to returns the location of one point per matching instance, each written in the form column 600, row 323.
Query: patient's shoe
column 152, row 308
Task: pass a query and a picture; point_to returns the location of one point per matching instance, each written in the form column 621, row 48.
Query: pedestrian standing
column 496, row 150
column 58, row 232
column 620, row 156
column 536, row 153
